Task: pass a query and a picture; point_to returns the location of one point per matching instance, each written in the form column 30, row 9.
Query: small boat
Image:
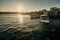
column 44, row 19
column 34, row 16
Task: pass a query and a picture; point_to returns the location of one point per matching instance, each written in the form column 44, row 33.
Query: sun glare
column 20, row 18
column 20, row 9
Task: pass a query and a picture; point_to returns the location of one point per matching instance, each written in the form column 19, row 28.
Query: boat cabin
column 44, row 19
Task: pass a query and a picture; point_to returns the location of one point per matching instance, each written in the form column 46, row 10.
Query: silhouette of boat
column 34, row 16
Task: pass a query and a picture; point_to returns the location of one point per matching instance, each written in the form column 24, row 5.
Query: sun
column 20, row 9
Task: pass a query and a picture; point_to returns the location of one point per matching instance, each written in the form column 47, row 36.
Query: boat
column 44, row 19
column 34, row 16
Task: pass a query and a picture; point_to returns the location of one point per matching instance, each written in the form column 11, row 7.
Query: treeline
column 51, row 11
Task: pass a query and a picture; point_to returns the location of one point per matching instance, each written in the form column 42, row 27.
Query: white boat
column 44, row 18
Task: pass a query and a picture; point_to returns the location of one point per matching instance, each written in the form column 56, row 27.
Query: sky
column 27, row 5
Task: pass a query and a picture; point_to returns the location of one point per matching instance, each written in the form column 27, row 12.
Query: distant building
column 53, row 9
column 58, row 9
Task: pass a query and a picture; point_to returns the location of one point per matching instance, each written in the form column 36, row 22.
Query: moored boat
column 34, row 16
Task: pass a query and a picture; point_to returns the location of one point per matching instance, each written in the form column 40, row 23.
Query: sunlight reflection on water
column 20, row 18
column 17, row 21
column 14, row 18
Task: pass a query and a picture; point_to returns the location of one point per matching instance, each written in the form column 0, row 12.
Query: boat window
column 44, row 17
